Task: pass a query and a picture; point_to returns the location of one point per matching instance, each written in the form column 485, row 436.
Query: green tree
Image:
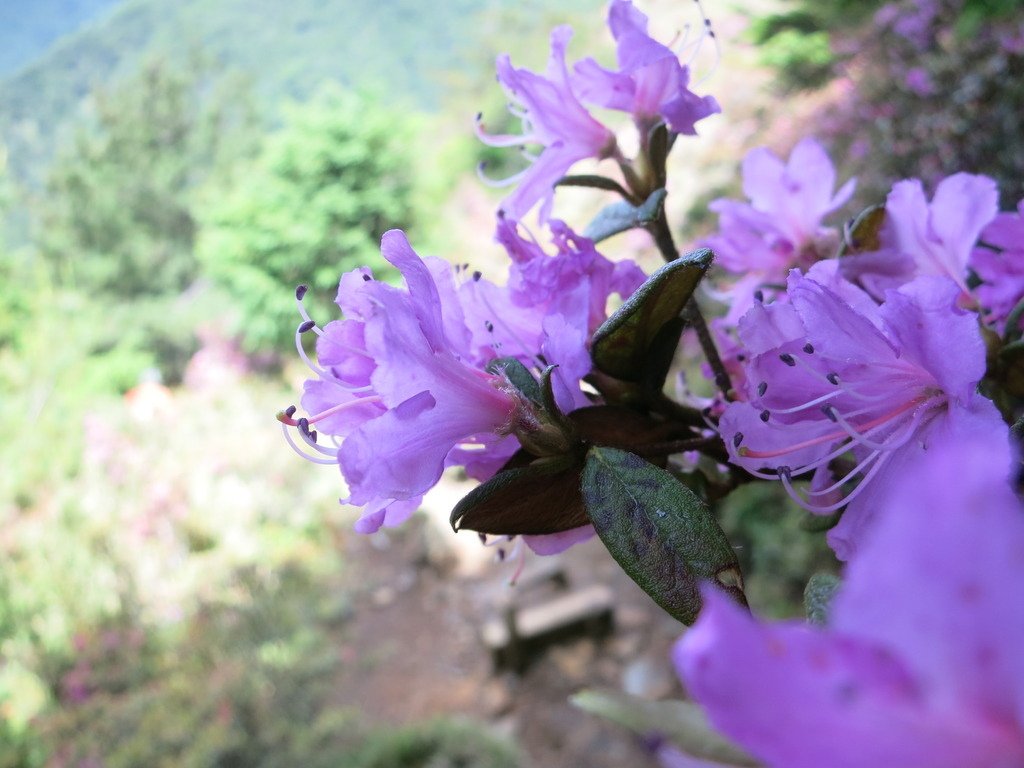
column 117, row 215
column 313, row 205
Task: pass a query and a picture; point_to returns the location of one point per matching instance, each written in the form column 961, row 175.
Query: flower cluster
column 781, row 227
column 872, row 371
column 650, row 84
column 403, row 382
column 920, row 664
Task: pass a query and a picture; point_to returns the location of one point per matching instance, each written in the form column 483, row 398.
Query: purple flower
column 922, row 238
column 781, row 227
column 550, row 307
column 920, row 664
column 919, row 81
column 1000, row 267
column 650, row 83
column 840, row 389
column 553, row 117
column 393, row 386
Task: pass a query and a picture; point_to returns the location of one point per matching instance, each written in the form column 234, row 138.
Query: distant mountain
column 29, row 27
column 286, row 46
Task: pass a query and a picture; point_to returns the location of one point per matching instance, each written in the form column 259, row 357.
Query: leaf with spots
column 661, row 533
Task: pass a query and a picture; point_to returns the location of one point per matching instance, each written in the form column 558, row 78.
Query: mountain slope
column 29, row 27
column 398, row 46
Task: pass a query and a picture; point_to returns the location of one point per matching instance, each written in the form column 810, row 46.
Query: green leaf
column 622, row 347
column 658, row 530
column 818, row 594
column 594, row 181
column 683, row 723
column 535, row 499
column 620, row 216
column 519, row 376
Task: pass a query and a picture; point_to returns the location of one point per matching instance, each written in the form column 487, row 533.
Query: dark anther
column 501, row 555
column 479, row 116
column 304, row 425
column 289, row 411
column 489, row 326
column 787, row 359
column 741, row 357
column 833, row 378
column 809, row 348
column 765, row 415
column 312, row 435
column 722, row 380
column 477, row 275
column 482, row 537
column 300, row 291
column 306, row 326
column 759, row 296
column 784, row 472
column 830, row 412
column 762, row 388
column 737, row 439
column 366, row 278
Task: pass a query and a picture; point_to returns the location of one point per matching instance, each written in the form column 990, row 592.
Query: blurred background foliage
column 170, row 586
column 918, row 88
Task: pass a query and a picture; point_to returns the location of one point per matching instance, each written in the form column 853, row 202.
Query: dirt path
column 412, row 652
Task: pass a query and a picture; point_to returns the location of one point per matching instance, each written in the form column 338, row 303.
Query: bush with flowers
column 874, row 370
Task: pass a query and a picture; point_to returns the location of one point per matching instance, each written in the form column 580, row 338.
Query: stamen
column 300, row 294
column 499, row 183
column 847, row 477
column 879, row 463
column 765, row 415
column 762, row 388
column 310, row 440
column 890, row 442
column 787, row 359
column 338, row 409
column 501, row 140
column 737, row 439
column 864, row 430
column 833, row 378
column 306, row 326
column 303, row 454
column 809, row 348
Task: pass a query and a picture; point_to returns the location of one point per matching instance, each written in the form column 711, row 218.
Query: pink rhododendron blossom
column 922, row 238
column 552, row 116
column 392, row 384
column 920, row 664
column 1000, row 267
column 837, row 382
column 650, row 84
column 781, row 227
